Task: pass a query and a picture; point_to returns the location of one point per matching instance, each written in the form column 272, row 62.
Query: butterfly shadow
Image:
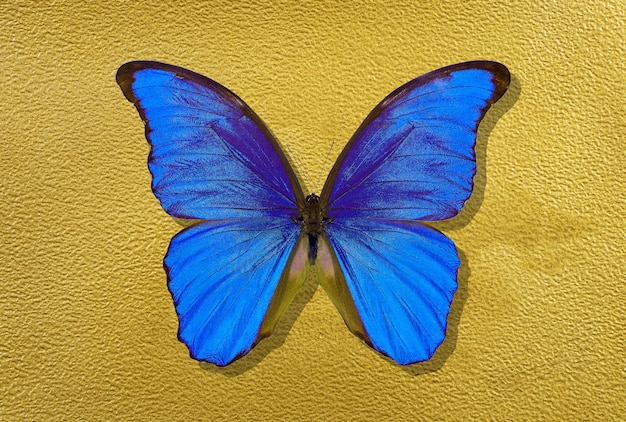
column 466, row 215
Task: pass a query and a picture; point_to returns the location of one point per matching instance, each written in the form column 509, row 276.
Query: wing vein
column 374, row 169
column 254, row 173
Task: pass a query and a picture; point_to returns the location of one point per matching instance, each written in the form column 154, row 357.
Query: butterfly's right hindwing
column 223, row 277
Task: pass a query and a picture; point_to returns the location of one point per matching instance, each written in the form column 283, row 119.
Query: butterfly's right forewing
column 413, row 157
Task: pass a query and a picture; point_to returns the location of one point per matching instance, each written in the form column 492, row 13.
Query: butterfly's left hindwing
column 402, row 278
column 222, row 276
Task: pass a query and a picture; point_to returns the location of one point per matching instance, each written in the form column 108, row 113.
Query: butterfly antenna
column 319, row 176
column 299, row 166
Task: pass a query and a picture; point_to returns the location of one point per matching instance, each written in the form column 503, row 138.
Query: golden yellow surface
column 87, row 326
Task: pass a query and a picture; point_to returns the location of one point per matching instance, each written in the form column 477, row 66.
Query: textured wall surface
column 87, row 326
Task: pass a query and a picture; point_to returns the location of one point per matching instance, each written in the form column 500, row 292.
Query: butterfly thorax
column 312, row 219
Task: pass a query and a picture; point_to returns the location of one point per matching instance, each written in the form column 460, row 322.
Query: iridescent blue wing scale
column 212, row 158
column 411, row 160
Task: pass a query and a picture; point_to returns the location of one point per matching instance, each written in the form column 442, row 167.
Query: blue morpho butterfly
column 234, row 272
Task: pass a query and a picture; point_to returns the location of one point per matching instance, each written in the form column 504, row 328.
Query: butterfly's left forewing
column 212, row 158
column 411, row 160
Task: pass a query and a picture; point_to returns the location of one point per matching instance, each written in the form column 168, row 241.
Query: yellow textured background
column 87, row 327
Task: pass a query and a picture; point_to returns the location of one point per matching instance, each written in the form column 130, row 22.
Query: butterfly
column 256, row 235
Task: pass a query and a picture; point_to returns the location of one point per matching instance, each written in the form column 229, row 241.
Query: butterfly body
column 312, row 221
column 233, row 274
